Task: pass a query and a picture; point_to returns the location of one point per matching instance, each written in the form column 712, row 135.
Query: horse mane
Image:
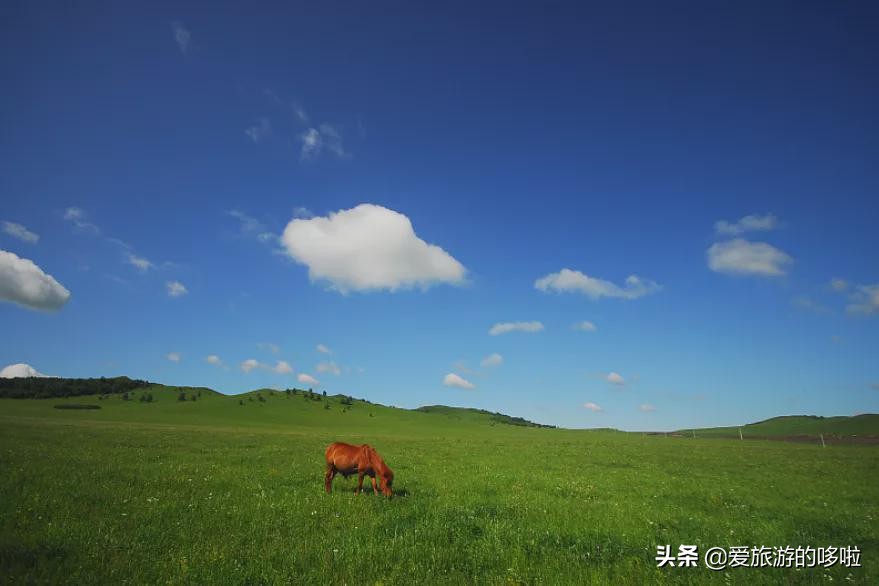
column 376, row 461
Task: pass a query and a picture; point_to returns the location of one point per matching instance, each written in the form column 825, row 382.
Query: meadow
column 230, row 490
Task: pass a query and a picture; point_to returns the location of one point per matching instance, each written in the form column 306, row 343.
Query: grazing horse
column 364, row 460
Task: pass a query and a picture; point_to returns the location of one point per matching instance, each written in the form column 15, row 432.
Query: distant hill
column 462, row 412
column 796, row 427
column 52, row 387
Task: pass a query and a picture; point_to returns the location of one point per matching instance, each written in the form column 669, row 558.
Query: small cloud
column 259, row 131
column 593, row 407
column 77, row 217
column 808, row 304
column 176, row 288
column 273, row 348
column 645, row 408
column 302, row 213
column 215, row 360
column 369, row 248
column 140, row 263
column 752, row 223
column 182, row 37
column 317, row 140
column 24, row 283
column 323, row 349
column 453, row 380
column 20, row 232
column 529, row 327
column 864, row 301
column 251, row 364
column 492, row 360
column 615, row 379
column 329, row 367
column 21, row 370
column 741, row 257
column 173, row 356
column 569, row 281
column 584, row 326
column 283, row 367
column 253, row 228
column 307, row 379
column 838, row 284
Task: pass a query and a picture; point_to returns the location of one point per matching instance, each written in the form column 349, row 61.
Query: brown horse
column 364, row 460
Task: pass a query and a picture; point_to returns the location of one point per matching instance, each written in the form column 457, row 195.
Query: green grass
column 215, row 492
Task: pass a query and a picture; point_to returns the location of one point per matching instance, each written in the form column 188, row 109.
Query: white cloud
column 569, row 281
column 176, row 288
column 215, row 360
column 173, row 356
column 517, row 326
column 366, row 248
column 317, row 140
column 808, row 304
column 307, row 379
column 20, row 232
column 77, row 217
column 253, row 228
column 24, row 283
column 585, row 326
column 142, row 264
column 593, row 407
column 645, row 408
column 182, row 36
column 323, row 349
column 838, row 284
column 865, row 301
column 752, row 223
column 329, row 367
column 615, row 379
column 259, row 131
column 492, row 360
column 273, row 348
column 21, row 370
column 453, row 380
column 742, row 257
column 251, row 364
column 283, row 367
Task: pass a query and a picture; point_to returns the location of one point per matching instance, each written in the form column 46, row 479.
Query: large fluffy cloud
column 369, row 247
column 742, row 257
column 20, row 370
column 23, row 282
column 453, row 380
column 569, row 281
column 530, row 327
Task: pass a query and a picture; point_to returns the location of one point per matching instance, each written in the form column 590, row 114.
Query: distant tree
column 241, row 401
column 250, row 398
column 149, row 397
column 261, row 398
column 199, row 392
column 325, row 393
column 181, row 396
column 194, row 397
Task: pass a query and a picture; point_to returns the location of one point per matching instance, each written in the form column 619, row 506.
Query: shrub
column 77, row 406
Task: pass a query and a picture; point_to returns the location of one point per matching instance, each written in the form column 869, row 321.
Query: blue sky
column 393, row 181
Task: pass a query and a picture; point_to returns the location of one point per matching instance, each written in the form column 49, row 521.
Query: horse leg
column 374, row 487
column 328, row 477
column 359, row 483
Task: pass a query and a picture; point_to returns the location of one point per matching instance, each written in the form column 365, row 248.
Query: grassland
column 213, row 491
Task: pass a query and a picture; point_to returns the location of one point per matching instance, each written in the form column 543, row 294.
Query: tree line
column 50, row 387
